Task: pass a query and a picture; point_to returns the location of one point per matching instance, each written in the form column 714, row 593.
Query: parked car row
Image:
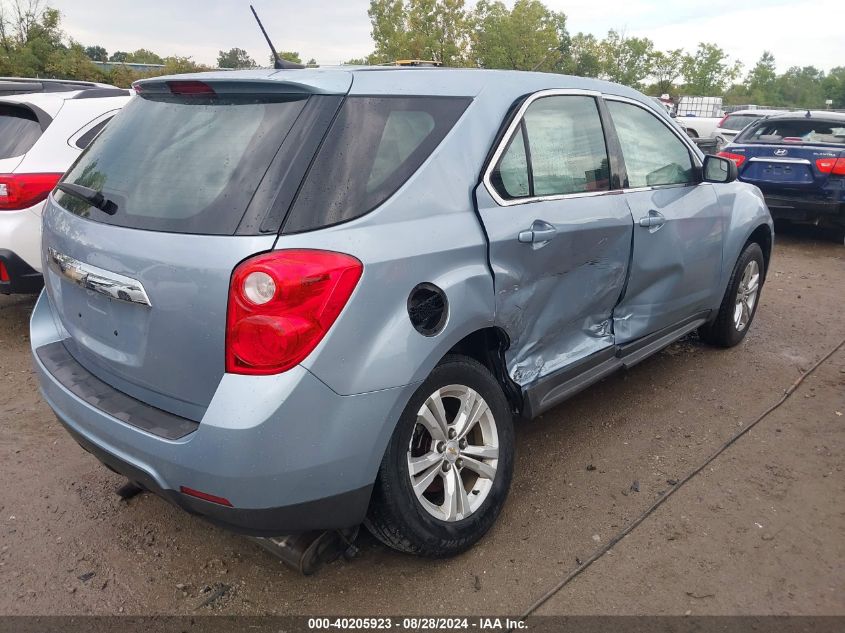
column 293, row 300
column 44, row 125
column 798, row 161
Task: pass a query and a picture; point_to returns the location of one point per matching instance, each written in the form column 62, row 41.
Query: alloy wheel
column 453, row 453
column 746, row 295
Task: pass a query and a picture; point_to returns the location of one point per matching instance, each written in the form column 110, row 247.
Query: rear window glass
column 795, row 131
column 183, row 164
column 738, row 121
column 374, row 146
column 19, row 129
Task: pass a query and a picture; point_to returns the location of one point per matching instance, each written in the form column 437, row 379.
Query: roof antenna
column 279, row 64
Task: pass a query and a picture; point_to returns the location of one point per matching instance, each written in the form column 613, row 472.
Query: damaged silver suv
column 307, row 299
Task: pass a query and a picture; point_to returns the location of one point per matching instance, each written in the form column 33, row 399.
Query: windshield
column 795, row 131
column 186, row 164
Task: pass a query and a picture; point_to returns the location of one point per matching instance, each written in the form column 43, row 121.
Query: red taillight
column 722, row 122
column 737, row 158
column 281, row 305
column 21, row 191
column 204, row 496
column 4, row 274
column 190, row 88
column 832, row 166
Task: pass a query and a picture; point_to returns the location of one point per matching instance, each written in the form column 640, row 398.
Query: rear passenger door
column 559, row 235
column 678, row 226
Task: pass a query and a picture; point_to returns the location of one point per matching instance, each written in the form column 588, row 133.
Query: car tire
column 434, row 519
column 740, row 302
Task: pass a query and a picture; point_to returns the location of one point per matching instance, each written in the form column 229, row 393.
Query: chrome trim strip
column 777, row 159
column 98, row 280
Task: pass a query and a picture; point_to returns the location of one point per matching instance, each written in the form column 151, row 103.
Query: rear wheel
column 447, row 469
column 740, row 301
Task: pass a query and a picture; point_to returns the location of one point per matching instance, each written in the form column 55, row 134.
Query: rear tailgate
column 143, row 293
column 793, row 166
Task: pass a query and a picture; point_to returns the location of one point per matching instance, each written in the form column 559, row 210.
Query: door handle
column 654, row 219
column 539, row 233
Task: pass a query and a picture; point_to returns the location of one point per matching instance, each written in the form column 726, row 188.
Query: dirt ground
column 760, row 531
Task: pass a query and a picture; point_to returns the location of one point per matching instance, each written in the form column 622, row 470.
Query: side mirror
column 718, row 169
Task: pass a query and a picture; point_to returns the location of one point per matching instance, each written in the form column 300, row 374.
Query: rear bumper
column 286, row 451
column 804, row 208
column 23, row 278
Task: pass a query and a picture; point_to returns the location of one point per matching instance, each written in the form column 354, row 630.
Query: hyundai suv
column 306, row 299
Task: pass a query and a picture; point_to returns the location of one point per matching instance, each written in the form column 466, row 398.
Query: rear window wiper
column 91, row 196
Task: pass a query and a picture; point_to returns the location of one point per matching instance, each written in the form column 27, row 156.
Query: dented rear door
column 559, row 237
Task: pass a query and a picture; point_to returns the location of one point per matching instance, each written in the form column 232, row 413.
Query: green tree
column 582, row 56
column 666, row 68
column 144, row 56
column 119, row 57
column 626, row 60
column 761, row 82
column 834, row 86
column 97, row 53
column 72, row 62
column 708, row 71
column 291, row 56
column 312, row 63
column 802, row 87
column 389, row 30
column 235, row 58
column 527, row 37
column 437, row 30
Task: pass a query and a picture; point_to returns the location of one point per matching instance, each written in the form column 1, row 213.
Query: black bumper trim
column 340, row 511
column 23, row 278
column 83, row 384
column 803, row 208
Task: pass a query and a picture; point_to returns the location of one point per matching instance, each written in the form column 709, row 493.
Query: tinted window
column 795, row 131
column 653, row 154
column 183, row 164
column 85, row 140
column 510, row 176
column 738, row 121
column 19, row 129
column 373, row 147
column 563, row 139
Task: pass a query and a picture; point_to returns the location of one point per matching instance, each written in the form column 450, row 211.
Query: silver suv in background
column 306, row 299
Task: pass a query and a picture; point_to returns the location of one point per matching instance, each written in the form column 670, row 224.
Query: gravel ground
column 760, row 531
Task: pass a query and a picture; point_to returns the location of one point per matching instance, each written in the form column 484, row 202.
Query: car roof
column 51, row 102
column 35, row 84
column 420, row 80
column 812, row 114
column 760, row 111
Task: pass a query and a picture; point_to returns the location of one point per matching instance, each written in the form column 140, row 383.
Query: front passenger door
column 678, row 226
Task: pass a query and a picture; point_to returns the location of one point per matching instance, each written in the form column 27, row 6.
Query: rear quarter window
column 373, row 147
column 19, row 130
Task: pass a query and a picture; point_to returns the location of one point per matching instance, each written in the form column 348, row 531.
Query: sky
column 797, row 32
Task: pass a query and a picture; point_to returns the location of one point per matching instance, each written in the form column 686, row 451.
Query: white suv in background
column 41, row 134
column 733, row 123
